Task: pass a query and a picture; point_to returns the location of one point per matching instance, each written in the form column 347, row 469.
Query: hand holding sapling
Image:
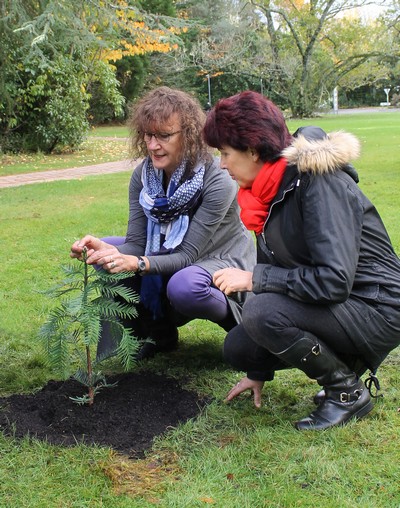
column 89, row 298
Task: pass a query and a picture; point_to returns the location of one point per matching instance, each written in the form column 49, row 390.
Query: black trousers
column 273, row 322
column 143, row 326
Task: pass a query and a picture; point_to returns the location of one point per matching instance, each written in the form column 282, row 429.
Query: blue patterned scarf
column 167, row 218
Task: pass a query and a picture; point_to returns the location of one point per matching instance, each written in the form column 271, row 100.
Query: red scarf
column 255, row 202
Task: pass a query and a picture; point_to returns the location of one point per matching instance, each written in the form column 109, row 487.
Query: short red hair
column 248, row 120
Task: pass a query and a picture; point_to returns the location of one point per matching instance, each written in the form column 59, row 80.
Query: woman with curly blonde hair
column 155, row 109
column 183, row 226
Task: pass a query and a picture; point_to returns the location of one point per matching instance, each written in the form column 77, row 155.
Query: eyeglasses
column 161, row 137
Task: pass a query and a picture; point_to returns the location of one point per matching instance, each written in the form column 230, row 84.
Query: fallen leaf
column 208, row 500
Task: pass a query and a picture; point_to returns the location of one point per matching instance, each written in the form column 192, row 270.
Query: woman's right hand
column 247, row 384
column 88, row 242
column 233, row 280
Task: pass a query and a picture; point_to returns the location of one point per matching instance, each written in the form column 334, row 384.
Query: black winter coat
column 325, row 243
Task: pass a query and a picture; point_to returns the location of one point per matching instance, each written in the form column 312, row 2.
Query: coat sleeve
column 332, row 227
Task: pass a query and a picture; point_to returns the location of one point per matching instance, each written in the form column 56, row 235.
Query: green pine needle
column 86, row 299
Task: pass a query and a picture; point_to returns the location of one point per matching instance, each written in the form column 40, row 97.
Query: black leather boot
column 346, row 397
column 355, row 363
column 108, row 342
column 162, row 338
column 319, row 397
column 158, row 343
column 155, row 336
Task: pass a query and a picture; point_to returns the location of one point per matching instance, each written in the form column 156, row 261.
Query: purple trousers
column 190, row 292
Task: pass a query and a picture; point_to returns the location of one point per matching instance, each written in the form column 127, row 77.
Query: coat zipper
column 273, row 204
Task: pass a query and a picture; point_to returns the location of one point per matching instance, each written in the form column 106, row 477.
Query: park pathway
column 116, row 167
column 66, row 174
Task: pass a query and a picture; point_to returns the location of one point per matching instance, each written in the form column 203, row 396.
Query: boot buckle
column 350, row 397
column 315, row 350
column 344, row 397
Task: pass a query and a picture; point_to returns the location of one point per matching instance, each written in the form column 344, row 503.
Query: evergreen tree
column 89, row 298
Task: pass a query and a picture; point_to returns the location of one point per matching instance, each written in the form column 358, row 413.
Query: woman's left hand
column 233, row 280
column 247, row 384
column 113, row 261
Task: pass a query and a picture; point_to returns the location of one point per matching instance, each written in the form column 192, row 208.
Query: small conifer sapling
column 88, row 298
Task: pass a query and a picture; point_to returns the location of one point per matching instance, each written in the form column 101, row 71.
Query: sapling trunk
column 87, row 339
column 90, row 376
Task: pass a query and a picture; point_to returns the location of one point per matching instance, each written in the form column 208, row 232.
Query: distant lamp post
column 261, row 86
column 335, row 100
column 209, row 89
column 387, row 90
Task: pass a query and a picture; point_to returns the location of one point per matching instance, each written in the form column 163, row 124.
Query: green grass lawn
column 112, row 131
column 93, row 151
column 103, row 144
column 231, row 456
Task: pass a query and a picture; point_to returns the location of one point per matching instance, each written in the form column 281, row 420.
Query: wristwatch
column 141, row 265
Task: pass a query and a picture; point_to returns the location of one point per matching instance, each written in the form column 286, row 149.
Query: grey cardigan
column 216, row 237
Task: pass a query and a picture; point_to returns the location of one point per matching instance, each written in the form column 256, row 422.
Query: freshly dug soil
column 126, row 418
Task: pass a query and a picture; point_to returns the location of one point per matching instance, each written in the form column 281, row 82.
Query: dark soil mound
column 125, row 418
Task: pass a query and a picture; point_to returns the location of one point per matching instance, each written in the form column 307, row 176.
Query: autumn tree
column 315, row 45
column 133, row 70
column 294, row 51
column 57, row 54
column 219, row 48
column 391, row 60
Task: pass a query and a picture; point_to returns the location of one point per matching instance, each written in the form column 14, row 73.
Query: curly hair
column 155, row 109
column 248, row 120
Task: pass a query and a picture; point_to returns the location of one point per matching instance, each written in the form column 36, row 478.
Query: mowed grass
column 232, row 455
column 110, row 131
column 93, row 151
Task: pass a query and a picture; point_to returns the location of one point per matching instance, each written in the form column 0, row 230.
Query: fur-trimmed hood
column 335, row 151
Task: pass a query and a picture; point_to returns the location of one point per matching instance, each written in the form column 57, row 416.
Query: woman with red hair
column 327, row 283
